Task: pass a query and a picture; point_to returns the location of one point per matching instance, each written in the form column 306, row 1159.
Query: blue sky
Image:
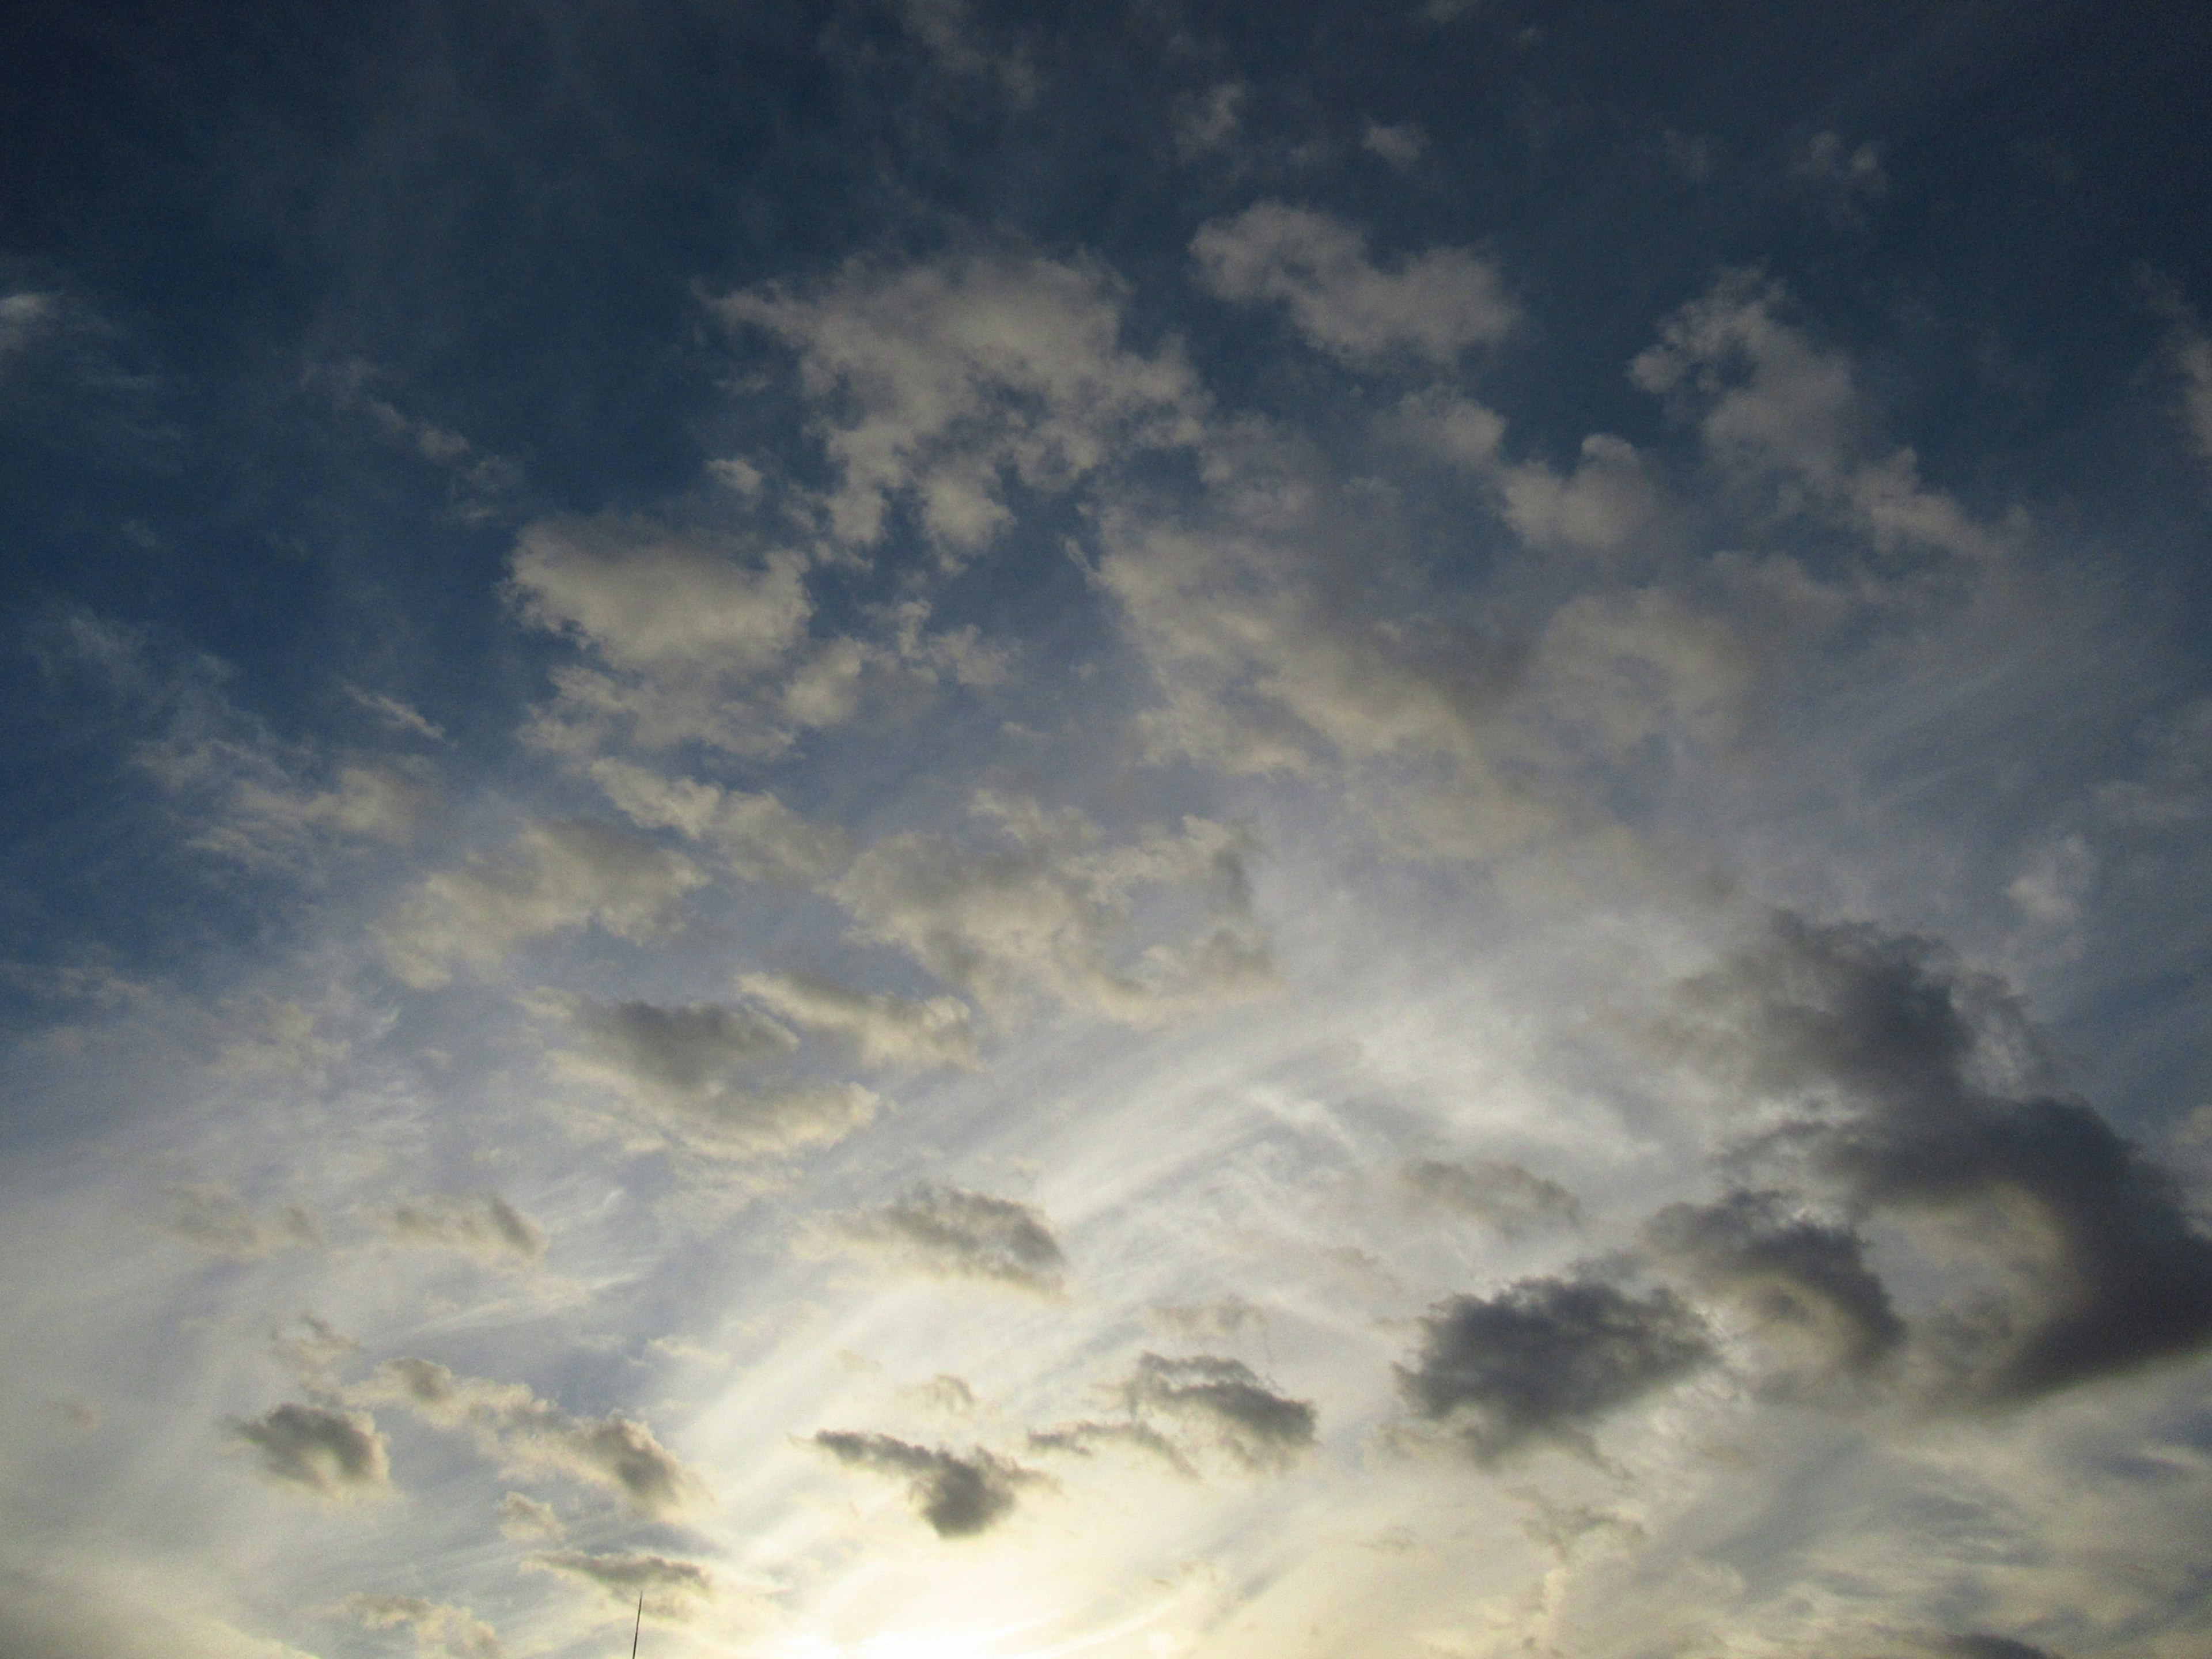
column 965, row 833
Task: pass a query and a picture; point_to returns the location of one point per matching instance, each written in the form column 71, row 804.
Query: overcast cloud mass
column 962, row 830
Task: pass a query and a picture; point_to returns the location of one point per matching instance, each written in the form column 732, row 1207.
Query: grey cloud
column 906, row 1033
column 216, row 1219
column 332, row 1452
column 1229, row 1317
column 480, row 1224
column 959, row 1496
column 1794, row 1275
column 1224, row 1402
column 946, row 379
column 950, row 1232
column 1434, row 304
column 554, row 877
column 313, row 1348
column 672, row 1589
column 2190, row 355
column 524, row 1432
column 1848, row 179
column 440, row 1631
column 1546, row 1359
column 1500, row 1195
column 1976, row 1644
column 1400, row 146
column 1902, row 1061
column 690, row 1073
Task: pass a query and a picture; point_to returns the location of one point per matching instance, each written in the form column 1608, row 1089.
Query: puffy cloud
column 1499, row 1194
column 524, row 1432
column 1802, row 1281
column 1546, row 1359
column 555, row 876
column 1400, row 146
column 1036, row 915
column 1772, row 403
column 480, row 1225
column 1225, row 1404
column 1599, row 506
column 332, row 1452
column 2190, row 354
column 1433, row 305
column 689, row 1073
column 949, row 1232
column 1847, row 180
column 1909, row 1087
column 673, row 1589
column 937, row 381
column 217, row 1219
column 440, row 1631
column 958, row 1496
column 899, row 1032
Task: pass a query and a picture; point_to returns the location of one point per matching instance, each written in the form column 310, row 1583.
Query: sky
column 930, row 830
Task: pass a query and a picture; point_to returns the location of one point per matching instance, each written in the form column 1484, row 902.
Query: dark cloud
column 1792, row 1274
column 950, row 1232
column 1915, row 1086
column 1545, row 1360
column 484, row 1225
column 1226, row 1403
column 958, row 1496
column 335, row 1454
column 1085, row 1438
column 1503, row 1195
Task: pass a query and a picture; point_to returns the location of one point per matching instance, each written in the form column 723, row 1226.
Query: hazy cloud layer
column 1503, row 1195
column 484, row 1225
column 440, row 1631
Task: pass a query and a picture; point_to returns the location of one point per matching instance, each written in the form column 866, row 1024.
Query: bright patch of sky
column 972, row 831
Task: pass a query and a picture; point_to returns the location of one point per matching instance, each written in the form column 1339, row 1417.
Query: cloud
column 216, row 1219
column 334, row 1454
column 440, row 1631
column 1499, row 1194
column 689, row 1073
column 525, row 1520
column 903, row 1033
column 480, row 1224
column 1400, row 146
column 673, row 1589
column 1977, row 1644
column 1544, row 1360
column 398, row 715
column 1433, row 305
column 935, row 383
column 525, row 1433
column 1849, row 180
column 1035, row 916
column 1910, row 1098
column 313, row 1348
column 2190, row 355
column 948, row 1232
column 1802, row 1281
column 555, row 876
column 118, row 1616
column 959, row 1496
column 1083, row 1439
column 759, row 837
column 1772, row 404
column 1225, row 1405
column 1598, row 507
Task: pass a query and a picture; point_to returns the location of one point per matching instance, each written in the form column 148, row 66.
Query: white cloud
column 1400, row 146
column 440, row 1631
column 934, row 382
column 760, row 837
column 1433, row 305
column 553, row 876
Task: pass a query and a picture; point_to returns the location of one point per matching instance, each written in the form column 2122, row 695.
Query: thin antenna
column 638, row 1629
